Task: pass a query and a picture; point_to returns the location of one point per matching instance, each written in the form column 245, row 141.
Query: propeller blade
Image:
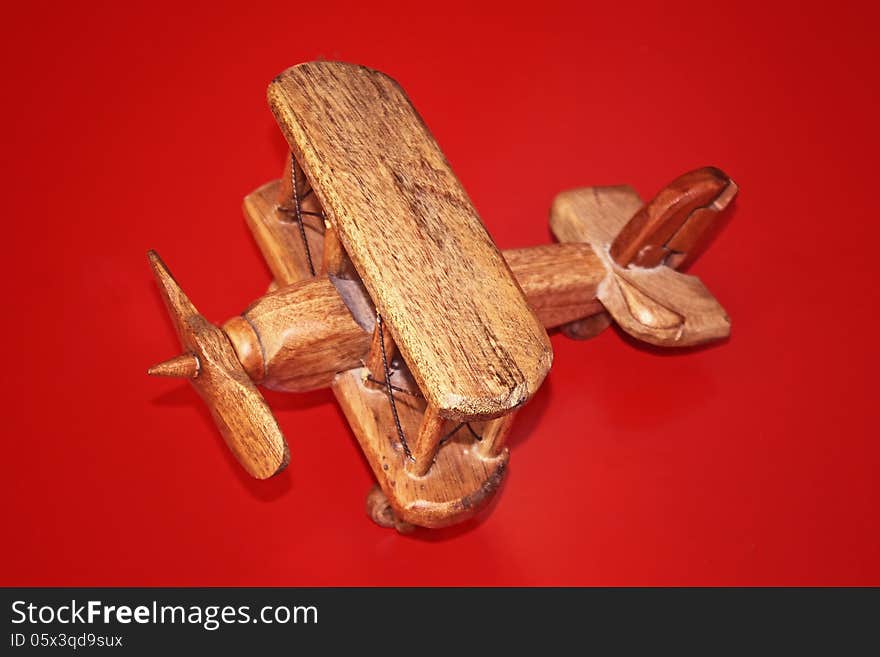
column 239, row 410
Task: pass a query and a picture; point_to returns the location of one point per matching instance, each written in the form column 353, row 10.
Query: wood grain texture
column 606, row 209
column 278, row 237
column 382, row 352
column 657, row 305
column 246, row 343
column 239, row 410
column 593, row 215
column 305, row 335
column 334, row 260
column 664, row 307
column 369, row 228
column 559, row 280
column 184, row 366
column 427, row 440
column 667, row 225
column 692, row 238
column 495, row 433
column 414, row 238
column 460, row 482
column 456, row 478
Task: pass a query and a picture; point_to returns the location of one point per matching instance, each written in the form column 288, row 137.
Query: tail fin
column 658, row 304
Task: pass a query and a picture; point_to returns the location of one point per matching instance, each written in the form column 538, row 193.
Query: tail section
column 644, row 293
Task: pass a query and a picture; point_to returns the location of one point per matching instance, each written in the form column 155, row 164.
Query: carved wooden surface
column 559, row 280
column 658, row 305
column 278, row 236
column 454, row 310
column 670, row 224
column 461, row 480
column 239, row 410
column 375, row 249
column 303, row 334
column 593, row 215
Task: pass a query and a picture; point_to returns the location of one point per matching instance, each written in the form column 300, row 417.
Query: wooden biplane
column 388, row 289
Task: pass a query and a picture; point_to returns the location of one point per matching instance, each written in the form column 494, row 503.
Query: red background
column 749, row 462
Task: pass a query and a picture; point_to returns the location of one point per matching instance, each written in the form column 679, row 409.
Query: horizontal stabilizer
column 663, row 307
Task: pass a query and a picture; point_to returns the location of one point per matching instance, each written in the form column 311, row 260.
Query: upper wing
column 457, row 315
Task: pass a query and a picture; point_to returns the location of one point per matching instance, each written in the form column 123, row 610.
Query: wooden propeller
column 210, row 363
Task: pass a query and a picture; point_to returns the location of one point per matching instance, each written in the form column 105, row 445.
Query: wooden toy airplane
column 388, row 289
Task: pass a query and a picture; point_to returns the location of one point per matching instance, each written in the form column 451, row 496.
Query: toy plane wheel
column 380, row 511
